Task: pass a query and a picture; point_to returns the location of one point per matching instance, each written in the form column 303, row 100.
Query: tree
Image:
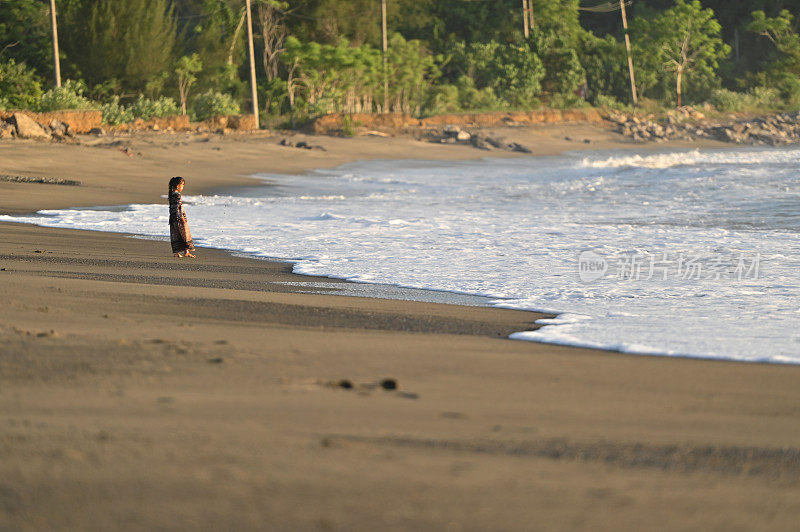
column 513, row 72
column 132, row 41
column 412, row 70
column 271, row 15
column 19, row 87
column 213, row 30
column 783, row 69
column 605, row 63
column 25, row 34
column 682, row 39
column 186, row 68
column 779, row 30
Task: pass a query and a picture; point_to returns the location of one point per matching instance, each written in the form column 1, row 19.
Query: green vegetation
column 213, row 103
column 68, row 96
column 20, row 88
column 185, row 69
column 137, row 58
column 114, row 113
column 146, row 108
column 685, row 41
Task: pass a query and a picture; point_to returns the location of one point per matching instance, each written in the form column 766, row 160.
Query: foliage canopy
column 318, row 56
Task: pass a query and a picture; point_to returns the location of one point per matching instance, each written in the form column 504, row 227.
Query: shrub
column 212, row 103
column 114, row 113
column 348, row 126
column 609, row 102
column 68, row 96
column 145, row 108
column 606, row 66
column 728, row 101
column 472, row 98
column 495, row 75
column 755, row 99
column 765, row 97
column 19, row 87
column 442, row 99
column 567, row 101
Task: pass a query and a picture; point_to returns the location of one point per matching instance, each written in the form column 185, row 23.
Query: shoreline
column 425, row 294
column 343, row 287
column 381, row 290
column 134, row 168
column 138, row 391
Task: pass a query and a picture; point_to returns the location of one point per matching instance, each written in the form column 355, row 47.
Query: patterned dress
column 179, row 233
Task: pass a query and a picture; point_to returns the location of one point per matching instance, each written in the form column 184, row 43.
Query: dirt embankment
column 334, row 123
column 78, row 121
column 60, row 125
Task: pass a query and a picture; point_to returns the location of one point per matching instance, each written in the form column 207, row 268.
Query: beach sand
column 138, row 391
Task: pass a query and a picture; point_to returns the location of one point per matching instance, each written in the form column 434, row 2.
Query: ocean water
column 693, row 253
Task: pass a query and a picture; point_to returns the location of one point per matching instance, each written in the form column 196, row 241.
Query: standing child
column 179, row 233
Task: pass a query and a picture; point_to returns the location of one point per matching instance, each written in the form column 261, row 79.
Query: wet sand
column 138, row 391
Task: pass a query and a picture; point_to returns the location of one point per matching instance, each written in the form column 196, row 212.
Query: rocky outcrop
column 644, row 129
column 451, row 134
column 27, row 128
column 775, row 130
column 7, row 131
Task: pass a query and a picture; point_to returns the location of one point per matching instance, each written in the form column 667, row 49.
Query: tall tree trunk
column 273, row 33
column 679, row 75
column 182, row 93
column 236, row 37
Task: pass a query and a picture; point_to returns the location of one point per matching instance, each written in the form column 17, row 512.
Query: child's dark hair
column 174, row 182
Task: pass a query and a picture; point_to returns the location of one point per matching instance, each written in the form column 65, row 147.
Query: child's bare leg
column 189, row 254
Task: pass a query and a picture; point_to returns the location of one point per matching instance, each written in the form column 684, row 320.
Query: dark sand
column 138, row 391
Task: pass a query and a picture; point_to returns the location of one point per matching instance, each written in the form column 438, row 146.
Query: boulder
column 495, row 142
column 451, row 130
column 519, row 148
column 478, row 142
column 463, row 136
column 6, row 130
column 57, row 127
column 27, row 128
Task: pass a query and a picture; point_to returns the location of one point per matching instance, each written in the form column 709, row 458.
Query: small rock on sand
column 389, row 384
